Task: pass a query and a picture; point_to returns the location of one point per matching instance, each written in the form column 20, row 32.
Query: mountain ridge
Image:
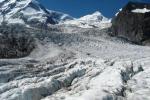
column 83, row 61
column 95, row 20
column 27, row 12
column 31, row 12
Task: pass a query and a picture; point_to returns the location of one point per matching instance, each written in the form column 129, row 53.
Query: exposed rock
column 133, row 22
column 15, row 42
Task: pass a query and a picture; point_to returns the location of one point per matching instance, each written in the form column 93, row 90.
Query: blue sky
column 78, row 8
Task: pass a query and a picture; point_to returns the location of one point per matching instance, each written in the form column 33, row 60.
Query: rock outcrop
column 133, row 23
column 15, row 41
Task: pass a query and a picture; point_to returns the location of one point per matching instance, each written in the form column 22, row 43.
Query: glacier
column 75, row 59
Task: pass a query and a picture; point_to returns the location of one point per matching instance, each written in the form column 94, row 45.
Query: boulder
column 133, row 23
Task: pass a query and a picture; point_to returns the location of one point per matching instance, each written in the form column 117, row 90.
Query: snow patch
column 16, row 20
column 144, row 10
column 118, row 12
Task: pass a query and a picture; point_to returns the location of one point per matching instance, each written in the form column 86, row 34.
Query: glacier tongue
column 76, row 59
column 100, row 81
column 86, row 64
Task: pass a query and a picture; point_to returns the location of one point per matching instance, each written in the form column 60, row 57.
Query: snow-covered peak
column 31, row 12
column 9, row 4
column 97, row 16
column 28, row 12
column 95, row 20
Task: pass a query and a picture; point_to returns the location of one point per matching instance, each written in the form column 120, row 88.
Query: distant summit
column 97, row 16
column 95, row 20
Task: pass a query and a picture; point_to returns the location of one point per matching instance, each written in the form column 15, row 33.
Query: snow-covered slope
column 59, row 17
column 86, row 65
column 28, row 12
column 97, row 16
column 72, row 63
column 90, row 21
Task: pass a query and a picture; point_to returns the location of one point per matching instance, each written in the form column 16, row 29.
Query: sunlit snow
column 144, row 10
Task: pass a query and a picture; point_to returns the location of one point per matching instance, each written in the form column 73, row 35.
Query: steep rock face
column 133, row 23
column 15, row 42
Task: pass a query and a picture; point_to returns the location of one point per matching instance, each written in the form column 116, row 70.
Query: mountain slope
column 70, row 63
column 90, row 21
column 28, row 12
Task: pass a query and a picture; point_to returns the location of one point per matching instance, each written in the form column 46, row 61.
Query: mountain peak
column 96, row 16
column 97, row 13
column 28, row 12
column 95, row 20
column 31, row 12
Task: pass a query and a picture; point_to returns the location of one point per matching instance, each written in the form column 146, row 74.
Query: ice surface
column 87, row 65
column 75, row 60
